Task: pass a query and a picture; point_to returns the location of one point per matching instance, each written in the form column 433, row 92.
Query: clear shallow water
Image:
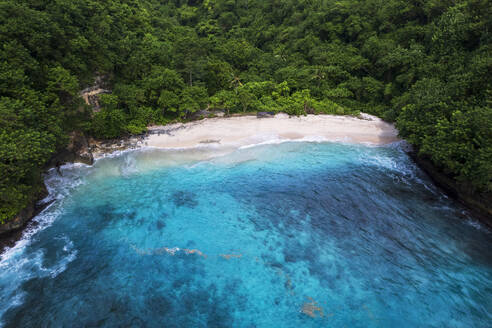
column 289, row 235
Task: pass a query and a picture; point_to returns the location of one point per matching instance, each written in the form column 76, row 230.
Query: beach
column 249, row 130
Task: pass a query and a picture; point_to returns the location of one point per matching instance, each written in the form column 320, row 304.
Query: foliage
column 424, row 64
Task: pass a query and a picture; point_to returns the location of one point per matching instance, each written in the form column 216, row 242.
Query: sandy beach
column 250, row 130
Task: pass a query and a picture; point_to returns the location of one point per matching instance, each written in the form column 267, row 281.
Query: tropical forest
column 423, row 67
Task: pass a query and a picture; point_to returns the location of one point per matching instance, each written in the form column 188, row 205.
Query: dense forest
column 424, row 64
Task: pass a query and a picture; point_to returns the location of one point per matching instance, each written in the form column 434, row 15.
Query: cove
column 297, row 234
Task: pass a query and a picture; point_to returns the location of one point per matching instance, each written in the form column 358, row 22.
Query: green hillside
column 425, row 64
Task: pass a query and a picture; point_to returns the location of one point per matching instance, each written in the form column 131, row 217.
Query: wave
column 316, row 139
column 277, row 140
column 129, row 166
column 399, row 166
column 71, row 254
column 18, row 267
column 116, row 153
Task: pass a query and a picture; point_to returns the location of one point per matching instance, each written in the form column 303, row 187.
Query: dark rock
column 479, row 204
column 11, row 230
column 20, row 220
column 265, row 114
column 77, row 150
column 200, row 114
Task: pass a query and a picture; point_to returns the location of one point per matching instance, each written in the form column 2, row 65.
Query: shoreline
column 223, row 134
column 229, row 133
column 243, row 131
column 477, row 203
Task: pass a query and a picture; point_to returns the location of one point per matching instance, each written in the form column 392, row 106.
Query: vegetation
column 425, row 64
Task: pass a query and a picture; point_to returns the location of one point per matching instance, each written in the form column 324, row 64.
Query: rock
column 367, row 117
column 479, row 204
column 265, row 114
column 79, row 146
column 21, row 219
column 210, row 141
column 91, row 95
column 312, row 309
column 282, row 115
column 100, row 147
column 200, row 114
column 185, row 198
column 204, row 113
column 77, row 150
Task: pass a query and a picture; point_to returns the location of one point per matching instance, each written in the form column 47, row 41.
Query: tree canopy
column 424, row 64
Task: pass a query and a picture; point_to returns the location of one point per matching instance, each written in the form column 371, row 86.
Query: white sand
column 249, row 130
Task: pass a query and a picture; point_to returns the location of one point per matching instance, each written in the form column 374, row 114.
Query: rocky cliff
column 479, row 204
column 77, row 150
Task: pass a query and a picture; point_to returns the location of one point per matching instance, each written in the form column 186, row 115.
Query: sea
column 291, row 234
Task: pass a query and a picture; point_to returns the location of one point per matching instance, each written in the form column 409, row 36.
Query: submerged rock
column 312, row 309
column 160, row 225
column 185, row 198
column 230, row 256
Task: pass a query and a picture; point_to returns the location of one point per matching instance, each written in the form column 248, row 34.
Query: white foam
column 15, row 265
column 62, row 264
column 129, row 165
column 38, row 223
column 115, row 153
column 208, row 151
column 399, row 167
column 275, row 140
column 18, row 268
column 469, row 220
column 15, row 272
column 477, row 225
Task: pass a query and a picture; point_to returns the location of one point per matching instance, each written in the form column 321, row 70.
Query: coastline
column 479, row 204
column 249, row 130
column 230, row 133
column 221, row 133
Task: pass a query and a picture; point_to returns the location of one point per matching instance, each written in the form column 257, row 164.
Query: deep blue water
column 288, row 235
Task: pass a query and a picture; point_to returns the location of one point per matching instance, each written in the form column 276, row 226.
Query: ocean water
column 286, row 235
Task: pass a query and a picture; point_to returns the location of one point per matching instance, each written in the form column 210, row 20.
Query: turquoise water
column 286, row 235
